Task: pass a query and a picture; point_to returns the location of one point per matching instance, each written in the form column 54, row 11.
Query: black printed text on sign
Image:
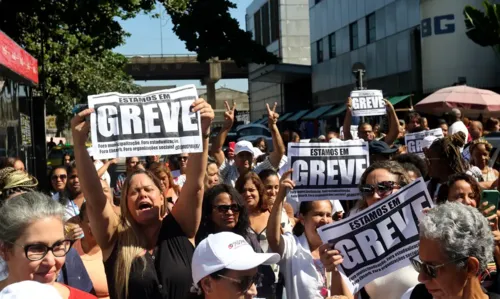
column 327, row 170
column 382, row 238
column 367, row 103
column 414, row 141
column 157, row 123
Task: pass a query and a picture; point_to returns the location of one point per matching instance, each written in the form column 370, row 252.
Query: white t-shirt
column 393, row 285
column 302, row 280
column 459, row 126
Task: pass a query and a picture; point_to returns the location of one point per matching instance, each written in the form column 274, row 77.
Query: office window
column 317, row 1
column 319, row 50
column 266, row 30
column 370, row 28
column 257, row 27
column 275, row 20
column 332, row 45
column 353, row 35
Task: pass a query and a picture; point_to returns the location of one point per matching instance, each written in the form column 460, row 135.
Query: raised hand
column 80, row 127
column 206, row 113
column 272, row 115
column 330, row 257
column 388, row 105
column 349, row 103
column 229, row 115
column 286, row 183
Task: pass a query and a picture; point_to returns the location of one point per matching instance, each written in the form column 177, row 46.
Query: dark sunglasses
column 225, row 208
column 36, row 252
column 382, row 188
column 431, row 270
column 245, row 282
column 62, row 177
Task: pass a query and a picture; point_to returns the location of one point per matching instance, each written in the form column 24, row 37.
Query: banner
column 155, row 123
column 382, row 238
column 354, row 132
column 327, row 170
column 367, row 103
column 413, row 141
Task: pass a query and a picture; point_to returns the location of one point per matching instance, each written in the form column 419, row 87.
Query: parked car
column 56, row 154
column 252, row 132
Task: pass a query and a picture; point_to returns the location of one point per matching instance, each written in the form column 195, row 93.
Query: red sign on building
column 17, row 60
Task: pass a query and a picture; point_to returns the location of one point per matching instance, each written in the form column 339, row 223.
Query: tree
column 483, row 28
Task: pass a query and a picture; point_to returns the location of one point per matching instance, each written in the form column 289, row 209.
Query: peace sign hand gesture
column 229, row 115
column 272, row 115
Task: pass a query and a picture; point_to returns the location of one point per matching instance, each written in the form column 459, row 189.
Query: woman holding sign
column 145, row 254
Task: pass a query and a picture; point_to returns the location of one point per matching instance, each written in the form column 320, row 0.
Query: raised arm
column 278, row 144
column 392, row 118
column 101, row 171
column 274, row 237
column 104, row 221
column 348, row 120
column 216, row 150
column 187, row 209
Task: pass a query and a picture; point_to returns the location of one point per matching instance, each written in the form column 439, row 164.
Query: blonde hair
column 131, row 242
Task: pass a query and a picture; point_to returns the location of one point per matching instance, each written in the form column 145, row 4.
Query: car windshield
column 253, row 131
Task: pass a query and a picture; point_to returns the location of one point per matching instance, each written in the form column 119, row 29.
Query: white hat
column 427, row 141
column 257, row 152
column 227, row 250
column 322, row 137
column 243, row 146
column 28, row 290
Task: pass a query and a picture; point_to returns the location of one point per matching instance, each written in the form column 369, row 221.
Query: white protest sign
column 354, row 132
column 367, row 103
column 413, row 141
column 327, row 170
column 155, row 123
column 382, row 238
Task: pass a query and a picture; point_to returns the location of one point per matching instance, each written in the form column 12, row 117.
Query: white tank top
column 393, row 285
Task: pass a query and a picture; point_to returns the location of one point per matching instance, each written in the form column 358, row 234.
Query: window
column 275, row 20
column 353, row 35
column 332, row 45
column 266, row 32
column 370, row 28
column 319, row 50
column 257, row 27
column 317, row 1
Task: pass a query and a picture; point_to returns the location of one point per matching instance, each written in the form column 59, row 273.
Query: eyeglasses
column 382, row 188
column 225, row 208
column 431, row 270
column 245, row 282
column 62, row 177
column 183, row 158
column 36, row 252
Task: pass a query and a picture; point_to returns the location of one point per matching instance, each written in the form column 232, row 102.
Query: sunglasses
column 36, row 252
column 225, row 208
column 183, row 158
column 245, row 282
column 382, row 188
column 62, row 177
column 431, row 270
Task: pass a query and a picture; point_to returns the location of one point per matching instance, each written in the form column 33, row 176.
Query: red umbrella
column 472, row 101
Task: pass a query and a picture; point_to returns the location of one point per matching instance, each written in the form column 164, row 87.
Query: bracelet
column 205, row 136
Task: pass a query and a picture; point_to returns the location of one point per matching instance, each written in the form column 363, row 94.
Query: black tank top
column 167, row 273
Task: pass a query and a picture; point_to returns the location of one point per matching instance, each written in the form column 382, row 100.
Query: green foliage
column 483, row 28
column 209, row 30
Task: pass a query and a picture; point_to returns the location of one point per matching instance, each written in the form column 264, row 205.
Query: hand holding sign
column 272, row 115
column 80, row 127
column 206, row 114
column 229, row 115
column 330, row 257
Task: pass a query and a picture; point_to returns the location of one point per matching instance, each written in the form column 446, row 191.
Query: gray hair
column 18, row 212
column 462, row 232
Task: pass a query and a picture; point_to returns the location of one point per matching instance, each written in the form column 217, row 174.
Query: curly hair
column 480, row 141
column 445, row 188
column 448, row 149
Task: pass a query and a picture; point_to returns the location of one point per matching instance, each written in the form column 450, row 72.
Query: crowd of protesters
column 219, row 225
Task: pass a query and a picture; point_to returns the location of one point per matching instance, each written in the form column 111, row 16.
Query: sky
column 147, row 34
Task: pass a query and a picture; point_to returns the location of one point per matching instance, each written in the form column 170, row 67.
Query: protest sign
column 155, row 123
column 413, row 141
column 367, row 103
column 327, row 170
column 354, row 132
column 382, row 238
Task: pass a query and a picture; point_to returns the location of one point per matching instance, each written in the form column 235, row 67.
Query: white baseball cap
column 28, row 290
column 227, row 250
column 257, row 152
column 243, row 146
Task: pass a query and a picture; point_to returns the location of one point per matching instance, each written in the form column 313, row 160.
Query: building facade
column 407, row 46
column 224, row 94
column 283, row 27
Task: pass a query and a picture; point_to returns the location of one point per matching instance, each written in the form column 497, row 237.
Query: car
column 252, row 132
column 56, row 154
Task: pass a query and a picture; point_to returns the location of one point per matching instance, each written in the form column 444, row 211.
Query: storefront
column 18, row 77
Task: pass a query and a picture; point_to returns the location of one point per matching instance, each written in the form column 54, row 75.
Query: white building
column 283, row 27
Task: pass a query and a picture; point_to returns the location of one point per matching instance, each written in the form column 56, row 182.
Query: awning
column 297, row 115
column 285, row 116
column 335, row 111
column 317, row 112
column 398, row 99
column 261, row 121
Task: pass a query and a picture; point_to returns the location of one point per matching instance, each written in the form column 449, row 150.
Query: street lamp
column 358, row 71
